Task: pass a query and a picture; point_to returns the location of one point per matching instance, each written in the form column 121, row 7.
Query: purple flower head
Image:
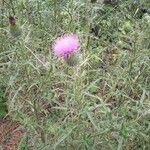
column 66, row 44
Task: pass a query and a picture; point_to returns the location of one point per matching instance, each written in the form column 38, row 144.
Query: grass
column 100, row 104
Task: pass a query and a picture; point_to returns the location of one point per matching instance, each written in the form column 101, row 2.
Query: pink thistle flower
column 65, row 45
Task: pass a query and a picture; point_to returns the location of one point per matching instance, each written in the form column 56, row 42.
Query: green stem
column 77, row 85
column 24, row 56
column 88, row 26
column 133, row 57
column 2, row 9
column 35, row 107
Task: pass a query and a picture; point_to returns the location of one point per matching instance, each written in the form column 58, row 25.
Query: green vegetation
column 103, row 103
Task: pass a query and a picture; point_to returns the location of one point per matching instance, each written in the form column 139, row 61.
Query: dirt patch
column 10, row 134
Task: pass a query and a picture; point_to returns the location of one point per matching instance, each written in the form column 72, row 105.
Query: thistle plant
column 99, row 102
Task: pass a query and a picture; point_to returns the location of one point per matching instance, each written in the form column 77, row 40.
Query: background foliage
column 101, row 104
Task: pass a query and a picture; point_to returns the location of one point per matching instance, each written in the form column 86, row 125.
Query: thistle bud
column 12, row 21
column 15, row 31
